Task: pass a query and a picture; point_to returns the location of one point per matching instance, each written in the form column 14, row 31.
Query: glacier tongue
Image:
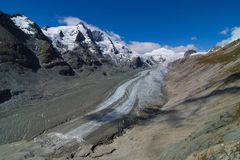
column 145, row 88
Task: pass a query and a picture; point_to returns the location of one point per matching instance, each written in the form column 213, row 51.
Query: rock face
column 138, row 62
column 12, row 47
column 188, row 53
column 40, row 45
column 5, row 95
column 22, row 42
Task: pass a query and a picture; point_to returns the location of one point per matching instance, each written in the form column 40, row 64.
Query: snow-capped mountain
column 163, row 55
column 35, row 43
column 69, row 36
column 84, row 45
column 166, row 55
column 95, row 40
column 80, row 45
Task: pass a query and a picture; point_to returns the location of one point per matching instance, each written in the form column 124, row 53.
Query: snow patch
column 25, row 24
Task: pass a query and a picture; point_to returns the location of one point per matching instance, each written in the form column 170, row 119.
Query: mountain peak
column 68, row 38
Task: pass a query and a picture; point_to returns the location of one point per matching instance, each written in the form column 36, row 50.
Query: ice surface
column 143, row 87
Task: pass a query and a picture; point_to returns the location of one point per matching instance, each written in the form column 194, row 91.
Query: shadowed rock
column 5, row 95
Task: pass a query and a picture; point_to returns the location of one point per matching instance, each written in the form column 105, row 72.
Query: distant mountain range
column 71, row 49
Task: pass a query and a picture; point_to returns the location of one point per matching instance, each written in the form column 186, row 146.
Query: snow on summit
column 164, row 53
column 72, row 36
column 24, row 23
column 65, row 38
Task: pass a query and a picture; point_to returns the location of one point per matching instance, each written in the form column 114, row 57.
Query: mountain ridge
column 81, row 39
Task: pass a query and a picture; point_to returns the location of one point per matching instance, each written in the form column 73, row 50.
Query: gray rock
column 188, row 53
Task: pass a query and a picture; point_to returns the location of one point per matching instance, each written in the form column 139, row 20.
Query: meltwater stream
column 146, row 87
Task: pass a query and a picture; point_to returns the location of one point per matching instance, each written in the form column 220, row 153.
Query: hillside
column 200, row 119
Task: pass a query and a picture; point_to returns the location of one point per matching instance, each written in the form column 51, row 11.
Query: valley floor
column 60, row 101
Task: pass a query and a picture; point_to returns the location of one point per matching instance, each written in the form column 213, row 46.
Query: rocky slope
column 211, row 99
column 30, row 49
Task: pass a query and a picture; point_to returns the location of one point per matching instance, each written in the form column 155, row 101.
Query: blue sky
column 169, row 22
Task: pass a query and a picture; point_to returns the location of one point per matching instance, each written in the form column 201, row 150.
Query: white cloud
column 147, row 47
column 69, row 21
column 235, row 34
column 225, row 31
column 143, row 47
column 194, row 38
column 114, row 36
column 182, row 48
